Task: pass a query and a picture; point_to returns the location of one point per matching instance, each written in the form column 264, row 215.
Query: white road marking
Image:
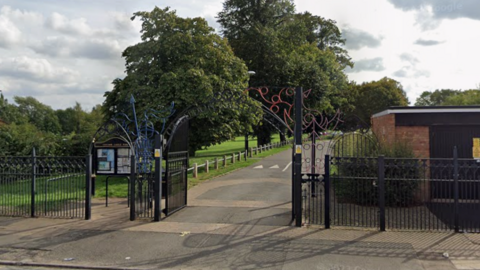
column 275, row 167
column 258, row 167
column 286, row 167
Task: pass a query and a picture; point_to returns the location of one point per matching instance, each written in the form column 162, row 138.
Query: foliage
column 376, row 96
column 448, row 97
column 184, row 61
column 356, row 179
column 30, row 124
column 435, row 98
column 468, row 97
column 285, row 48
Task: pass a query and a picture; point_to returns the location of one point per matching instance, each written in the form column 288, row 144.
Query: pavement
column 238, row 221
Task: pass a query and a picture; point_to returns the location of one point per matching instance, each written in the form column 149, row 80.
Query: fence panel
column 354, row 200
column 410, row 187
column 60, row 187
column 43, row 186
column 15, row 186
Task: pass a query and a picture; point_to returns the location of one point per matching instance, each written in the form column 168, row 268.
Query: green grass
column 227, row 148
column 52, row 193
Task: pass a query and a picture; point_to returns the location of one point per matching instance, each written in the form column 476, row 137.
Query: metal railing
column 396, row 194
column 39, row 186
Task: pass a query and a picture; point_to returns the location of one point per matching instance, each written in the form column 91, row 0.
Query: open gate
column 176, row 183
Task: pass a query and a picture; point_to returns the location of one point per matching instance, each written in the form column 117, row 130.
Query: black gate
column 176, row 168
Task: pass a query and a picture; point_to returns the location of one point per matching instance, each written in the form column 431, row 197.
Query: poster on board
column 123, row 160
column 105, row 161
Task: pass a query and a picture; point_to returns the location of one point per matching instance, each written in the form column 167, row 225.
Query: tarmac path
column 238, row 221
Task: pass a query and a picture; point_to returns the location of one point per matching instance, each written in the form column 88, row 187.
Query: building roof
column 429, row 109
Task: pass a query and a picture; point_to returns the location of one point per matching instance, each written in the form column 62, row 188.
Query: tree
column 436, row 98
column 463, row 98
column 287, row 49
column 38, row 114
column 182, row 60
column 376, row 96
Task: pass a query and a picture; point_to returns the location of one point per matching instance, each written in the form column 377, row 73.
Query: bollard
column 206, row 166
column 225, row 161
column 195, row 170
column 216, row 163
column 233, row 158
column 239, row 156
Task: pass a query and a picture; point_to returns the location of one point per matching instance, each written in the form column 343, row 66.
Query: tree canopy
column 286, row 48
column 449, row 97
column 184, row 61
column 375, row 96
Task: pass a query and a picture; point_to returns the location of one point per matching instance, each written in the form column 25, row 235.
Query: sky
column 67, row 51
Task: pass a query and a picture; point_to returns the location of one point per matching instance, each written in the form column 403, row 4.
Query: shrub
column 356, row 175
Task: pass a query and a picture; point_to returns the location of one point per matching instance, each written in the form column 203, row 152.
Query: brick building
column 431, row 131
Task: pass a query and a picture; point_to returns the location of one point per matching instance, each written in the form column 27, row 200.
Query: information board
column 112, row 157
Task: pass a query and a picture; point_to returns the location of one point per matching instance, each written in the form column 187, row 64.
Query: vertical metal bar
column 381, row 191
column 132, row 187
column 157, row 188
column 298, row 156
column 88, row 192
column 34, row 169
column 455, row 189
column 327, row 191
column 293, row 183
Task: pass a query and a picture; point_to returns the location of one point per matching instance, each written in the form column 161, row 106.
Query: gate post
column 88, row 191
column 455, row 190
column 157, row 188
column 327, row 191
column 298, row 156
column 132, row 187
column 381, row 191
column 34, row 170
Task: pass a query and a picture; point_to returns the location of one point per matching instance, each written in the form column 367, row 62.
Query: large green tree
column 463, row 98
column 373, row 97
column 182, row 60
column 286, row 48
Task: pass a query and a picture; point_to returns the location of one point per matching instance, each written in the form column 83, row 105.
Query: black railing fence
column 396, row 194
column 45, row 186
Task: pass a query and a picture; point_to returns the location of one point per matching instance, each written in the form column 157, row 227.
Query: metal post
column 132, row 187
column 88, row 191
column 157, row 188
column 34, row 175
column 298, row 156
column 455, row 190
column 327, row 191
column 381, row 191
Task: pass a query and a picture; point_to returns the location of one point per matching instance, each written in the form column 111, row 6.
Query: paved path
column 237, row 221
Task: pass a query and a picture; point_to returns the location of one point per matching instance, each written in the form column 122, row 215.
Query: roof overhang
column 401, row 110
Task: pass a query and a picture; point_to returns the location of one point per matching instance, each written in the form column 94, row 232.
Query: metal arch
column 119, row 132
column 364, row 135
column 178, row 122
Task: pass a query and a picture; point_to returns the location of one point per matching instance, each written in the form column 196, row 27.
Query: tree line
column 27, row 123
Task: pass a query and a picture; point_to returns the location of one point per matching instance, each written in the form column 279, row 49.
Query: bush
column 356, row 179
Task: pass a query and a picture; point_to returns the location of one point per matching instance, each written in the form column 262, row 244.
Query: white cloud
column 10, row 35
column 35, row 69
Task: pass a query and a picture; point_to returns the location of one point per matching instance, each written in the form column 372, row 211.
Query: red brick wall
column 384, row 128
column 417, row 137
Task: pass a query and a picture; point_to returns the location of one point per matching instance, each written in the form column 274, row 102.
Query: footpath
column 238, row 221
